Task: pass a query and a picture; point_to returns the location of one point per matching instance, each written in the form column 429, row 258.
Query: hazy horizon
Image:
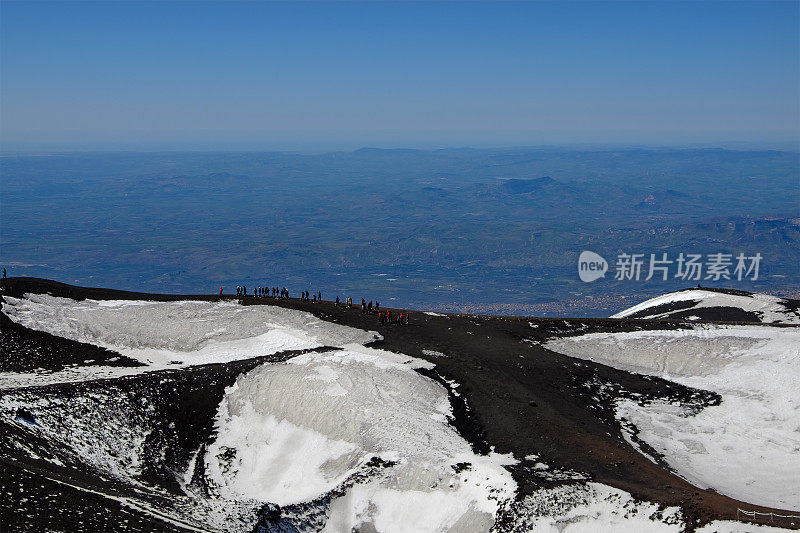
column 320, row 149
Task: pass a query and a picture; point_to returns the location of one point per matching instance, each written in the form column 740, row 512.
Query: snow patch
column 746, row 447
column 770, row 308
column 166, row 335
column 281, row 443
column 591, row 507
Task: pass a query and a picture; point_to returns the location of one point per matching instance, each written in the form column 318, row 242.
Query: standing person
column 337, row 300
column 380, row 318
column 220, row 291
column 369, row 307
column 319, row 295
column 388, row 317
column 377, row 305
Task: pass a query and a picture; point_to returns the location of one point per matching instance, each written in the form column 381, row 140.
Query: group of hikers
column 384, row 317
column 273, row 292
column 314, row 297
column 365, row 307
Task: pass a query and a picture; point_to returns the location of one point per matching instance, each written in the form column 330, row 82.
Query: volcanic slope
column 725, row 305
column 126, row 411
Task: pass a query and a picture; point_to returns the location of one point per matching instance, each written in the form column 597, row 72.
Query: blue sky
column 176, row 75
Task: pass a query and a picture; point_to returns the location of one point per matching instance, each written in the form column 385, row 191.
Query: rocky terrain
column 138, row 412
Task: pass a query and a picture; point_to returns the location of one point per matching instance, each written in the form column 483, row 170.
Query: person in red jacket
column 220, row 291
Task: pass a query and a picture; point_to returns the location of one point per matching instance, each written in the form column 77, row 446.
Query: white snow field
column 592, row 507
column 289, row 433
column 304, row 431
column 748, row 446
column 170, row 334
column 770, row 308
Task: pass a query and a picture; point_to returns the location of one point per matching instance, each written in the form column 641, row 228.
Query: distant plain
column 485, row 231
